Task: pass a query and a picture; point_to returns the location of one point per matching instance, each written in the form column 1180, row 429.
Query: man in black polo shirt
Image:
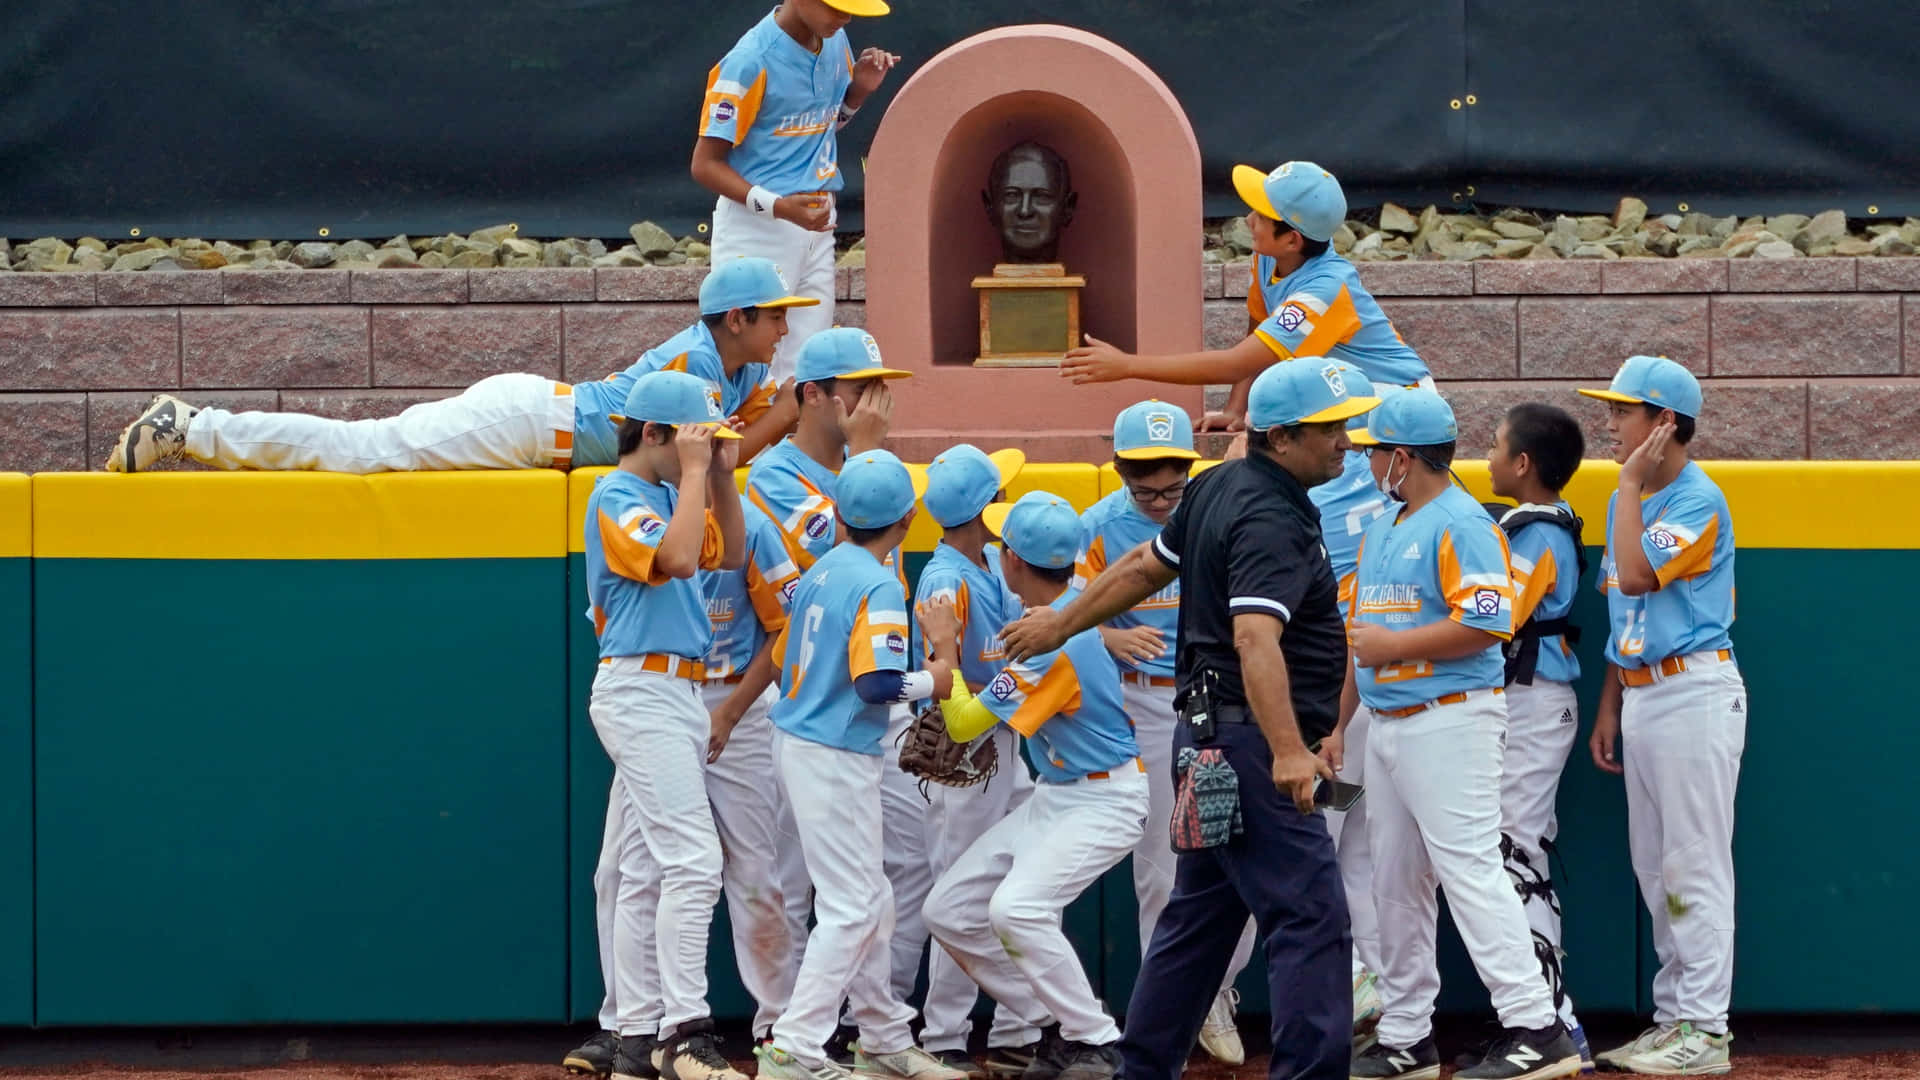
column 1261, row 643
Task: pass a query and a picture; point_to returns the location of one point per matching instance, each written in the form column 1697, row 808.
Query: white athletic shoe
column 1615, row 1056
column 912, row 1063
column 776, row 1064
column 1684, row 1051
column 157, row 435
column 1219, row 1035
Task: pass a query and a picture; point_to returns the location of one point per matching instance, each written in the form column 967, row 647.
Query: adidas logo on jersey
column 1738, row 706
column 1566, row 716
column 1413, row 552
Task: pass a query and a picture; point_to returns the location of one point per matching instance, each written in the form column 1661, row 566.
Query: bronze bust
column 1029, row 199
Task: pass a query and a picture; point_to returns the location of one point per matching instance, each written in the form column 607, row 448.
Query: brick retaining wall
column 1804, row 358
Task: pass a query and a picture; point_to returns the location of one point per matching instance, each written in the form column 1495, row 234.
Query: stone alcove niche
column 1135, row 235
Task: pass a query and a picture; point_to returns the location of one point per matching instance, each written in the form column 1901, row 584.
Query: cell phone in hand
column 1336, row 795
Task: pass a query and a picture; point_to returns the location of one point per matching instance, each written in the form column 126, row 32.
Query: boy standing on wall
column 768, row 146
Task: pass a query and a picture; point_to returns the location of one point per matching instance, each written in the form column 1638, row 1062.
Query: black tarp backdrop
column 249, row 118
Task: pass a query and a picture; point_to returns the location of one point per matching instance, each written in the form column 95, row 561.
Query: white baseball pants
column 956, row 818
column 745, row 801
column 805, row 262
column 1682, row 737
column 835, row 796
column 1434, row 784
column 909, row 870
column 1349, row 831
column 1542, row 720
column 655, row 730
column 501, row 422
column 998, row 910
column 1151, row 710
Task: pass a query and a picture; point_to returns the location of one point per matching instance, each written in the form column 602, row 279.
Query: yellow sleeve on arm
column 967, row 719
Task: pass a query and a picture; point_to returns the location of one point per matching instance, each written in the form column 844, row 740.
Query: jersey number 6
column 808, row 624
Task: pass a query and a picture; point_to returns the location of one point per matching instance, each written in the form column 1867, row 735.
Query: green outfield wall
column 16, row 749
column 311, row 748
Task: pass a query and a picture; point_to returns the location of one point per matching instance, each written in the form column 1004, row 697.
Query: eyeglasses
column 1169, row 494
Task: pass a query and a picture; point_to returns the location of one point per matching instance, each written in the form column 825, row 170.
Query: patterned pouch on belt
column 1206, row 809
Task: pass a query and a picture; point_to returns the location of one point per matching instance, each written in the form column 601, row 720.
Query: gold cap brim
column 1251, row 183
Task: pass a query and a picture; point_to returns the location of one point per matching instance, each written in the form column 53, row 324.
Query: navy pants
column 1282, row 872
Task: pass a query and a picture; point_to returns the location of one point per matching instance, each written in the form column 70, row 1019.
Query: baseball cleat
column 1421, row 1061
column 912, row 1063
column 593, row 1057
column 158, row 435
column 1684, row 1050
column 1219, row 1036
column 960, row 1061
column 692, row 1054
column 777, row 1064
column 842, row 1047
column 633, row 1059
column 1519, row 1054
column 1084, row 1061
column 1044, row 1059
column 1612, row 1058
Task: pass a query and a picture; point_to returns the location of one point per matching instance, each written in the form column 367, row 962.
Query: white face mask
column 1390, row 487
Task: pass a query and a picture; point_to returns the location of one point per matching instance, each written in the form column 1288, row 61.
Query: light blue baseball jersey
column 1689, row 540
column 981, row 600
column 746, row 393
column 796, row 493
column 849, row 617
column 1446, row 560
column 748, row 604
column 1322, row 309
column 636, row 609
column 1348, row 504
column 1108, row 530
column 1546, row 578
column 1068, row 705
column 779, row 106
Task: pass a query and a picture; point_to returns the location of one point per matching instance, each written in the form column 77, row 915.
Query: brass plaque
column 1028, row 321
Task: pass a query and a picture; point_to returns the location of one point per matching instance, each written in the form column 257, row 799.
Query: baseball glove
column 928, row 752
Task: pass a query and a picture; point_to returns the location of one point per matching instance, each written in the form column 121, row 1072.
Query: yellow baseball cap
column 860, row 7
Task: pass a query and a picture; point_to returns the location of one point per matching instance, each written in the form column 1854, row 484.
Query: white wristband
column 846, row 115
column 916, row 686
column 760, row 201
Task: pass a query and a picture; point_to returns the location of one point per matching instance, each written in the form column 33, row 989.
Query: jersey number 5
column 808, row 624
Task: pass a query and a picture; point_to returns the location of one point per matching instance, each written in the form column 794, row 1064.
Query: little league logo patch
column 1160, row 427
column 786, row 591
column 818, row 525
column 873, row 350
column 651, row 525
column 1663, row 540
column 897, row 643
column 713, row 403
column 1336, row 382
column 1002, row 686
column 723, row 112
column 1486, row 602
column 1292, row 318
